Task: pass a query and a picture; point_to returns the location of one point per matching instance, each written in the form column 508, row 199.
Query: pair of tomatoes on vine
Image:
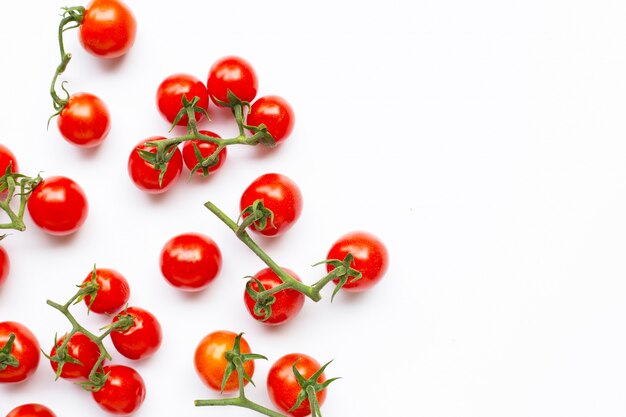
column 107, row 29
column 232, row 83
column 223, row 360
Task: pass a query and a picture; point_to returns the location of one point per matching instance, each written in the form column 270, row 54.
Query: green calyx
column 6, row 357
column 256, row 215
column 310, row 387
column 342, row 271
column 263, row 300
column 236, row 360
column 20, row 186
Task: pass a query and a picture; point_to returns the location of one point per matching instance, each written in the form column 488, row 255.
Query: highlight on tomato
column 80, row 356
column 142, row 339
column 113, row 291
column 234, row 74
column 190, row 261
column 170, row 94
column 84, row 121
column 19, row 352
column 123, row 392
column 285, row 304
column 31, row 410
column 108, row 28
column 145, row 176
column 58, row 205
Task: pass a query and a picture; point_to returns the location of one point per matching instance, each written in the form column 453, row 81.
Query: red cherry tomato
column 142, row 339
column 211, row 363
column 234, row 74
column 84, row 121
column 206, row 149
column 25, row 349
column 288, row 302
column 370, row 259
column 113, row 293
column 6, row 157
column 279, row 194
column 5, row 266
column 170, row 94
column 31, row 410
column 58, row 205
column 82, row 348
column 283, row 387
column 143, row 174
column 190, row 261
column 275, row 113
column 123, row 392
column 108, row 28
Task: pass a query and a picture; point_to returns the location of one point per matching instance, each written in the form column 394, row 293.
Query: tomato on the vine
column 145, row 176
column 170, row 94
column 85, row 120
column 108, row 28
column 206, row 149
column 5, row 265
column 287, row 304
column 142, row 339
column 31, row 410
column 58, row 205
column 81, row 348
column 279, row 194
column 6, row 157
column 210, row 360
column 25, row 351
column 275, row 113
column 113, row 293
column 283, row 387
column 190, row 261
column 123, row 392
column 234, row 74
column 370, row 258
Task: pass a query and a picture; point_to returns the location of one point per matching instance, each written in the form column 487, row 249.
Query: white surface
column 483, row 141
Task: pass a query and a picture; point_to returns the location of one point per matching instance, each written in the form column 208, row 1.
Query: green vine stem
column 342, row 271
column 165, row 147
column 72, row 17
column 14, row 185
column 96, row 377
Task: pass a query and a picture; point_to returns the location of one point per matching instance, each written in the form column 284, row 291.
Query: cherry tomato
column 170, row 94
column 234, row 74
column 279, row 194
column 6, row 157
column 123, row 392
column 210, row 360
column 31, row 410
column 25, row 349
column 370, row 259
column 190, row 261
column 85, row 120
column 206, row 149
column 283, row 387
column 275, row 113
column 58, row 205
column 108, row 28
column 288, row 302
column 142, row 339
column 143, row 174
column 113, row 293
column 5, row 265
column 82, row 348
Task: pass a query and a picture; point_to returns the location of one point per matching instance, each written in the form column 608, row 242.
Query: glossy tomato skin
column 370, row 258
column 211, row 363
column 79, row 347
column 206, row 149
column 143, row 174
column 31, row 410
column 113, row 293
column 142, row 339
column 170, row 94
column 84, row 121
column 123, row 392
column 25, row 349
column 275, row 113
column 108, row 29
column 190, row 261
column 279, row 194
column 234, row 74
column 6, row 157
column 288, row 302
column 58, row 205
column 283, row 388
column 5, row 266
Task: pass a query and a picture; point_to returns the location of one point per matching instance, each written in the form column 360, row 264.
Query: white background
column 483, row 141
